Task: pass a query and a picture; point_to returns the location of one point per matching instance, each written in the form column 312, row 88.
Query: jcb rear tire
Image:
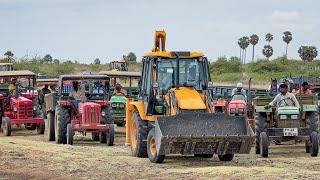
column 110, row 135
column 61, row 121
column 95, row 136
column 314, row 144
column 51, row 133
column 6, row 126
column 260, row 127
column 139, row 136
column 69, row 134
column 41, row 128
column 312, row 121
column 152, row 149
column 226, row 157
column 264, row 144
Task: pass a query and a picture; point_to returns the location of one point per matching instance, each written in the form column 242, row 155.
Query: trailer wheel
column 312, row 121
column 226, row 157
column 95, row 136
column 110, row 135
column 6, row 126
column 314, row 144
column 41, row 128
column 138, row 136
column 259, row 127
column 51, row 134
column 61, row 121
column 152, row 149
column 264, row 144
column 69, row 134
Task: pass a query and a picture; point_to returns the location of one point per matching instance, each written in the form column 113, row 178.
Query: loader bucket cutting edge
column 203, row 133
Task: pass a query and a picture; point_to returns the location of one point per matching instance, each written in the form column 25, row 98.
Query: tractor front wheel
column 41, row 128
column 152, row 148
column 314, row 144
column 110, row 135
column 61, row 121
column 264, row 144
column 260, row 126
column 51, row 134
column 6, row 126
column 69, row 134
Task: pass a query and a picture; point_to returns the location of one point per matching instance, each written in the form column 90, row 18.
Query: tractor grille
column 289, row 123
column 91, row 114
column 24, row 111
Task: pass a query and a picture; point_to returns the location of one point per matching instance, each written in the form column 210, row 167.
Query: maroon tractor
column 82, row 106
column 19, row 102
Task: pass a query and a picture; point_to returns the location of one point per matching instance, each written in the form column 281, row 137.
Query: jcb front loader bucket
column 203, row 133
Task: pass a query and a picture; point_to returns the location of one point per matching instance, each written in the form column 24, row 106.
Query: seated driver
column 12, row 86
column 284, row 98
column 77, row 93
column 119, row 90
column 239, row 90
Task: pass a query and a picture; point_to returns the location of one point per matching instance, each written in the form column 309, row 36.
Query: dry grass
column 28, row 156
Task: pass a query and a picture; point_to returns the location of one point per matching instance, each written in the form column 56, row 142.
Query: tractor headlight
column 294, row 116
column 103, row 113
column 15, row 108
column 113, row 105
column 121, row 105
column 233, row 110
column 283, row 116
column 241, row 110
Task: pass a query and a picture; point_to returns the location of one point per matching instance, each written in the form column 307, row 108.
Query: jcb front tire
column 6, row 126
column 139, row 136
column 226, row 157
column 61, row 121
column 152, row 149
column 264, row 144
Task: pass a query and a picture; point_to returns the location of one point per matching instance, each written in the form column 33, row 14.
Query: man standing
column 304, row 89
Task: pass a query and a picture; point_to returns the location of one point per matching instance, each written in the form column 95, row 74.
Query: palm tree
column 287, row 37
column 308, row 53
column 267, row 51
column 253, row 40
column 243, row 43
column 9, row 55
column 269, row 38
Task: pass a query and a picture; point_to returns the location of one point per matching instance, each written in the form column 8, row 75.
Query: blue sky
column 85, row 29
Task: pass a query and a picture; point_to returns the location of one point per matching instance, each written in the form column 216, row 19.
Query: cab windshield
column 189, row 73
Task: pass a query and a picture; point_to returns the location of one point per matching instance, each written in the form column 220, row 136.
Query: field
column 27, row 155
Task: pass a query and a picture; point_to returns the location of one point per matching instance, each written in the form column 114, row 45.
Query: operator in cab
column 12, row 86
column 77, row 94
column 284, row 98
column 239, row 90
column 304, row 89
column 119, row 90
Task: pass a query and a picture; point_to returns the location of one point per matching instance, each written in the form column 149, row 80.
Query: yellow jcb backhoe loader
column 173, row 113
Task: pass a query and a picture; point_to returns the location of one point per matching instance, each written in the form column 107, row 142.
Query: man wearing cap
column 284, row 98
column 12, row 86
column 239, row 90
column 305, row 89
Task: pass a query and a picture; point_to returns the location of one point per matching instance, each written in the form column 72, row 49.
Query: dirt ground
column 26, row 155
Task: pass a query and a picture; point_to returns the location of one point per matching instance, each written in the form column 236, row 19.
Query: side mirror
column 210, row 84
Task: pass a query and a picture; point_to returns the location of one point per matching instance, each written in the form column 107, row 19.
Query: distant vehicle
column 118, row 66
column 6, row 66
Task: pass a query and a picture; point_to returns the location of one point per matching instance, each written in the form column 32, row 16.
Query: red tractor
column 90, row 113
column 237, row 106
column 19, row 102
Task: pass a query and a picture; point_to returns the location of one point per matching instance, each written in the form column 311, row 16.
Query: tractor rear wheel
column 152, row 149
column 95, row 136
column 51, row 133
column 264, row 144
column 41, row 128
column 259, row 128
column 69, row 134
column 312, row 121
column 226, row 157
column 314, row 144
column 138, row 136
column 6, row 126
column 61, row 121
column 110, row 135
